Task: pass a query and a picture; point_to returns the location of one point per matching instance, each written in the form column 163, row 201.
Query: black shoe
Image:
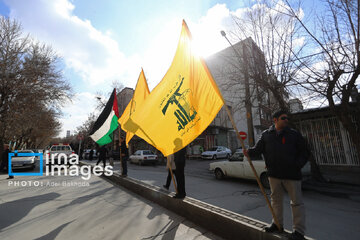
column 178, row 196
column 10, row 177
column 296, row 236
column 164, row 186
column 273, row 229
column 124, row 175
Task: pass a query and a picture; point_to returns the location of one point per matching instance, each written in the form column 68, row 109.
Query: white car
column 238, row 166
column 143, row 157
column 57, row 149
column 216, row 152
column 21, row 162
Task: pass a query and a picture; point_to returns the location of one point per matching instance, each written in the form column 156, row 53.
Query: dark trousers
column 168, row 179
column 103, row 160
column 180, row 179
column 124, row 165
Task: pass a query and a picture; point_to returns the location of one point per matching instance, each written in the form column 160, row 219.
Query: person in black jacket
column 91, row 153
column 124, row 156
column 285, row 153
column 102, row 156
column 5, row 160
column 179, row 159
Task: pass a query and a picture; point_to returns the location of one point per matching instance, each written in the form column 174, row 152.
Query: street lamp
column 102, row 104
column 243, row 62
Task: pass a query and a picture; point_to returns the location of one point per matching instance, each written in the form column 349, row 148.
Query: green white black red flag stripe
column 107, row 122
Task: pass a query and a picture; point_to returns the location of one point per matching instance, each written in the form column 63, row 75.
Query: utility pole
column 248, row 104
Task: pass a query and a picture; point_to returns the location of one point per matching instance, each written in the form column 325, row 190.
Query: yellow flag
column 139, row 96
column 182, row 105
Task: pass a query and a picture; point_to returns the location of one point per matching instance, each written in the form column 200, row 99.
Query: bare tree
column 31, row 86
column 102, row 97
column 336, row 66
column 85, row 130
column 279, row 38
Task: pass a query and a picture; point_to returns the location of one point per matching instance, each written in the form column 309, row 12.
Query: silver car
column 22, row 162
column 216, row 152
column 143, row 157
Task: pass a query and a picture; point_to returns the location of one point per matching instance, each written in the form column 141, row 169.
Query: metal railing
column 329, row 142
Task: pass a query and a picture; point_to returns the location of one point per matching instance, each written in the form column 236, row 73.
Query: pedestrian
column 91, row 154
column 124, row 156
column 102, row 155
column 81, row 153
column 179, row 159
column 285, row 153
column 170, row 164
column 5, row 160
column 201, row 149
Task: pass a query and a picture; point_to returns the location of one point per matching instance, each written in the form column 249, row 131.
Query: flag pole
column 172, row 175
column 252, row 167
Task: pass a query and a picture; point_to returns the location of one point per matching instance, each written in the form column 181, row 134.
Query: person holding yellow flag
column 179, row 159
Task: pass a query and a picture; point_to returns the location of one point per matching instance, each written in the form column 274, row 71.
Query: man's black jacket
column 285, row 152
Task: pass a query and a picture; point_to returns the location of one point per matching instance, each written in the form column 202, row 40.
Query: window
column 147, row 153
column 54, row 148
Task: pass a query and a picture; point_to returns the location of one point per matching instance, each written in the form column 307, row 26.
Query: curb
column 219, row 221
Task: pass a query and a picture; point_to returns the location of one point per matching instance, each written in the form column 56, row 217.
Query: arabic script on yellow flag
column 182, row 105
column 139, row 96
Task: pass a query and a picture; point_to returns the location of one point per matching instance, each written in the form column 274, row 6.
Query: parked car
column 238, row 166
column 23, row 162
column 216, row 152
column 86, row 154
column 143, row 157
column 114, row 154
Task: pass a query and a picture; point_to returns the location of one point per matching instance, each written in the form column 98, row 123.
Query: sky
column 103, row 41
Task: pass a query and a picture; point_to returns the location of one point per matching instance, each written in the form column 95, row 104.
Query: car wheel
column 214, row 157
column 140, row 163
column 228, row 156
column 219, row 174
column 265, row 180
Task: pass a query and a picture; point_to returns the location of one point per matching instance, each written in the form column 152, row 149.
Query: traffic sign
column 243, row 135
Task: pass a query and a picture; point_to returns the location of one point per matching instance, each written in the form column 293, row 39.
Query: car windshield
column 213, row 149
column 147, row 153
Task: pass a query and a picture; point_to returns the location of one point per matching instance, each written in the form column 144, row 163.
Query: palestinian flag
column 107, row 122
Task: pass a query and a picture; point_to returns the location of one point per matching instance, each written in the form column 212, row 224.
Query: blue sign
column 25, row 155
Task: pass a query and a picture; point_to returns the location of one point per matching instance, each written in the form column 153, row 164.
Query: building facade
column 234, row 70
